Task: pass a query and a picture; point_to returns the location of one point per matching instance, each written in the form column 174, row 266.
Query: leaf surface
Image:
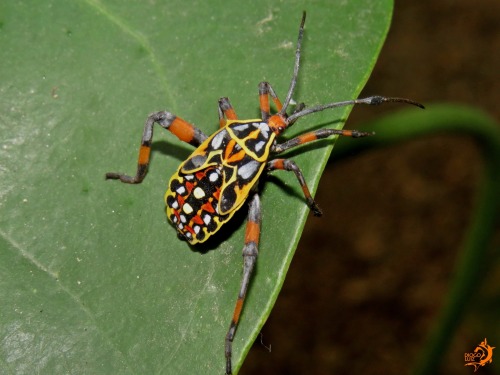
column 93, row 279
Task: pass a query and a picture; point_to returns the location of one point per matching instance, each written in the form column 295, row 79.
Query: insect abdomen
column 192, row 201
column 214, row 182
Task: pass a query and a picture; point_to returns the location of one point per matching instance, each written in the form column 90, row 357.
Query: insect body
column 214, row 182
column 222, row 174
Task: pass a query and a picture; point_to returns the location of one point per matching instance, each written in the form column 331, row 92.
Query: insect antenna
column 372, row 100
column 301, row 112
column 293, row 82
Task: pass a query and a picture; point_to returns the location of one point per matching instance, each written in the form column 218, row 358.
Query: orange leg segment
column 250, row 252
column 289, row 165
column 177, row 126
column 266, row 90
column 226, row 112
column 315, row 135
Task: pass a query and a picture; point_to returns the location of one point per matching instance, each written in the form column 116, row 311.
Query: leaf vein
column 141, row 39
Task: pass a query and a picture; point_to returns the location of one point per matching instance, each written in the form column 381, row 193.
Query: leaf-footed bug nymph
column 223, row 172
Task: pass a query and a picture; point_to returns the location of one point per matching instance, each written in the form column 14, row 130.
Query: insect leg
column 226, row 112
column 265, row 89
column 177, row 126
column 250, row 252
column 290, row 166
column 315, row 135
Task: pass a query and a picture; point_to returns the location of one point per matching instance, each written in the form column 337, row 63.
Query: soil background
column 370, row 276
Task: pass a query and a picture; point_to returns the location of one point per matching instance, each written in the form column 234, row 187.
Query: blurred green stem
column 438, row 119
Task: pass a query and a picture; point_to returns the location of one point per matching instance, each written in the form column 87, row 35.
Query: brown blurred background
column 369, row 278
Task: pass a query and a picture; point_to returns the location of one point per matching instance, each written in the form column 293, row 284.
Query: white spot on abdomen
column 248, row 169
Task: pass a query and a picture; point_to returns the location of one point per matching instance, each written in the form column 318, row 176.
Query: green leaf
column 93, row 279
